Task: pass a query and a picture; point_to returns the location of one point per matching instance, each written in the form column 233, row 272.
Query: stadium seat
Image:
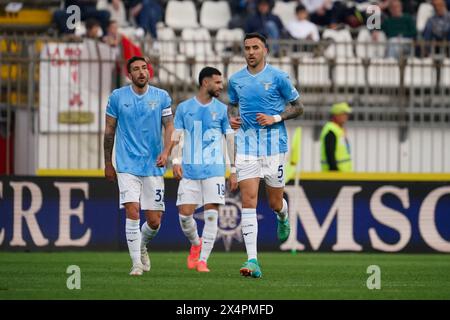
column 215, row 14
column 349, row 72
column 236, row 63
column 181, row 14
column 383, row 72
column 173, row 70
column 342, row 45
column 367, row 48
column 167, row 42
column 196, row 43
column 211, row 61
column 226, row 39
column 445, row 73
column 424, row 12
column 313, row 72
column 285, row 64
column 420, row 73
column 285, row 10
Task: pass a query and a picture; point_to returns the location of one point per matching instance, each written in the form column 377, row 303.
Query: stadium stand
column 215, row 14
column 285, row 10
column 181, row 14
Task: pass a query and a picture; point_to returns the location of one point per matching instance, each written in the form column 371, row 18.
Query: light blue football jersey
column 266, row 92
column 138, row 131
column 203, row 127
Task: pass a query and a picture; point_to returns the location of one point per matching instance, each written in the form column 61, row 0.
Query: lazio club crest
column 152, row 104
column 214, row 115
column 267, row 85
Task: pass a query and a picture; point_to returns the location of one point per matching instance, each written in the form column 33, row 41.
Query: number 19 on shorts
column 220, row 189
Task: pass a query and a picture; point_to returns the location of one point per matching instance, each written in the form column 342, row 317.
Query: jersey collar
column 256, row 74
column 204, row 105
column 139, row 95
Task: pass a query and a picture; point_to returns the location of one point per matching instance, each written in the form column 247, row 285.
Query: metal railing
column 404, row 93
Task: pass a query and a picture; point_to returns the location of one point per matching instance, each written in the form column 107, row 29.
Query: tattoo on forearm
column 108, row 141
column 233, row 110
column 167, row 119
column 167, row 122
column 231, row 148
column 293, row 110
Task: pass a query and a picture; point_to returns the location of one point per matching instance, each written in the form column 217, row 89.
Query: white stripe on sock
column 209, row 233
column 189, row 227
column 249, row 224
column 147, row 234
column 133, row 235
column 283, row 214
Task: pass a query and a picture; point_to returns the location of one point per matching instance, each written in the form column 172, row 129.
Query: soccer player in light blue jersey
column 199, row 161
column 134, row 118
column 261, row 99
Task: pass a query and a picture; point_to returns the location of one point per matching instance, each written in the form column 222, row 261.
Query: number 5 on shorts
column 280, row 171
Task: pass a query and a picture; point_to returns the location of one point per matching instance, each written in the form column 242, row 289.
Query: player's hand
column 264, row 119
column 110, row 172
column 162, row 159
column 232, row 182
column 235, row 122
column 177, row 171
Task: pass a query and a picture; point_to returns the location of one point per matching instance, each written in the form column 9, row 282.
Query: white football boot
column 137, row 269
column 145, row 259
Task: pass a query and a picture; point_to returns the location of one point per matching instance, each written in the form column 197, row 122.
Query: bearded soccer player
column 134, row 119
column 199, row 162
column 261, row 99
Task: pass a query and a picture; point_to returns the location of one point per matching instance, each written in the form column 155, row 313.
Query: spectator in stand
column 400, row 29
column 93, row 29
column 88, row 9
column 117, row 10
column 112, row 37
column 147, row 14
column 265, row 22
column 240, row 10
column 302, row 28
column 438, row 26
column 329, row 13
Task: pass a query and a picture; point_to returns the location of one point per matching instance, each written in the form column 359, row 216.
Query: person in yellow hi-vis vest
column 334, row 145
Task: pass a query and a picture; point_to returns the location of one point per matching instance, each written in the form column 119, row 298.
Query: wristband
column 233, row 170
column 176, row 161
column 277, row 118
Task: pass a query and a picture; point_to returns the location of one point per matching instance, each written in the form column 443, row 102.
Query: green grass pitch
column 104, row 275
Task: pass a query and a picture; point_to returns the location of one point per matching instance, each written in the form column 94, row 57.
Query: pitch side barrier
column 328, row 212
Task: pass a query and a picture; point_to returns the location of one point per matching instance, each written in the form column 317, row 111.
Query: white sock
column 283, row 214
column 133, row 235
column 209, row 233
column 189, row 227
column 147, row 234
column 249, row 224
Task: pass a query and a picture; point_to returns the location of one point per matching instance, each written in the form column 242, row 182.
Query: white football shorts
column 201, row 192
column 148, row 191
column 271, row 168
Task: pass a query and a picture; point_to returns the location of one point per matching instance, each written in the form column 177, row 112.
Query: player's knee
column 249, row 200
column 132, row 211
column 154, row 224
column 276, row 205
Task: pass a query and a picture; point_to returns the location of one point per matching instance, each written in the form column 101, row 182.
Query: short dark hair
column 258, row 35
column 207, row 72
column 91, row 22
column 300, row 7
column 134, row 59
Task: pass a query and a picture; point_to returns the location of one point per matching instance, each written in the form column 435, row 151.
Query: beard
column 140, row 83
column 214, row 94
